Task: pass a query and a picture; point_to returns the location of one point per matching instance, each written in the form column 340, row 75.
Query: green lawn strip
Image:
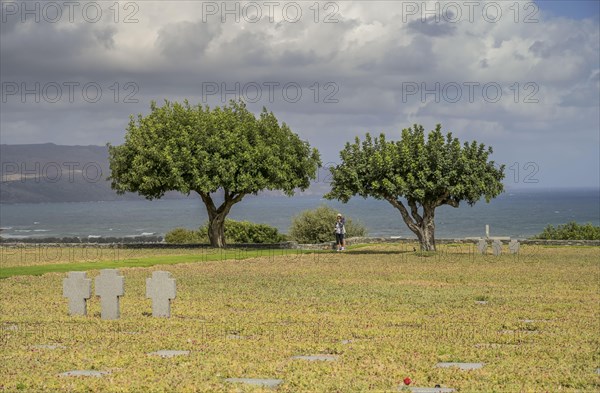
column 229, row 254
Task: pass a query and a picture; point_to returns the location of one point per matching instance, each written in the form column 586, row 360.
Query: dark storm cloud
column 186, row 41
column 45, row 51
column 432, row 27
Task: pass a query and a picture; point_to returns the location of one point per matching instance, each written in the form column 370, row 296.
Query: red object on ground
column 407, row 381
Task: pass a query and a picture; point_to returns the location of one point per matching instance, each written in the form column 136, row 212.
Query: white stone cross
column 161, row 289
column 513, row 246
column 78, row 288
column 110, row 287
column 497, row 247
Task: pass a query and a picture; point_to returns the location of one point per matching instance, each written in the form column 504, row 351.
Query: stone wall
column 294, row 245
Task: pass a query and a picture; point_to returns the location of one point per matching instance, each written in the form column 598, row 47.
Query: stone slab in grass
column 429, row 390
column 83, row 373
column 168, row 353
column 495, row 345
column 462, row 366
column 267, row 383
column 317, row 358
column 49, row 346
column 516, row 332
column 598, row 371
column 481, row 302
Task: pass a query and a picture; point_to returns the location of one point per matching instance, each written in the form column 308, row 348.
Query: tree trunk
column 216, row 216
column 422, row 226
column 216, row 230
column 426, row 231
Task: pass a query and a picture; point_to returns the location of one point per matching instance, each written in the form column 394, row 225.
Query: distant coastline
column 518, row 213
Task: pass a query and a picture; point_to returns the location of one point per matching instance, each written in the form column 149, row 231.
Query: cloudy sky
column 523, row 77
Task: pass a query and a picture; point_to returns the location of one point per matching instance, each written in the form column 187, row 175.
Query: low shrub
column 184, row 236
column 247, row 232
column 235, row 232
column 317, row 226
column 570, row 231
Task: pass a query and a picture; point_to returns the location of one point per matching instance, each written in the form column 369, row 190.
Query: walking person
column 340, row 232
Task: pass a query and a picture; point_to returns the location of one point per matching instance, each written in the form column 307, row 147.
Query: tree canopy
column 186, row 148
column 427, row 173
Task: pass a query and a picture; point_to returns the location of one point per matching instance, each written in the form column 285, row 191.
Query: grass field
column 386, row 311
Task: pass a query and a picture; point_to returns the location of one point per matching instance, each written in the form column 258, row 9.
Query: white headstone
column 487, row 231
column 513, row 246
column 497, row 247
column 161, row 289
column 78, row 288
column 110, row 287
column 482, row 246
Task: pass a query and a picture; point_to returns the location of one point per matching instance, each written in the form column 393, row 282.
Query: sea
column 518, row 213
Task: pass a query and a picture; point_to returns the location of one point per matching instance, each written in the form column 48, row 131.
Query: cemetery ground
column 380, row 313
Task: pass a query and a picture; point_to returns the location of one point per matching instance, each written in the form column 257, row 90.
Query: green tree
column 426, row 173
column 226, row 150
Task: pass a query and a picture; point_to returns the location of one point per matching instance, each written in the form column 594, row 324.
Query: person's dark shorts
column 339, row 238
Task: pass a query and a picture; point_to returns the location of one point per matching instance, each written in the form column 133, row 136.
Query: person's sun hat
column 339, row 214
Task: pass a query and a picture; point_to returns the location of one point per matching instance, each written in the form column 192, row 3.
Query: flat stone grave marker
column 462, row 366
column 481, row 301
column 430, row 390
column 514, row 246
column 49, row 346
column 168, row 353
column 497, row 247
column 598, row 371
column 494, row 345
column 316, row 358
column 482, row 246
column 78, row 288
column 83, row 373
column 110, row 287
column 161, row 288
column 518, row 331
column 268, row 383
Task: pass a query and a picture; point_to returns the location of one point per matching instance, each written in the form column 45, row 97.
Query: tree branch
column 414, row 211
column 235, row 199
column 451, row 202
column 404, row 212
column 446, row 199
column 210, row 205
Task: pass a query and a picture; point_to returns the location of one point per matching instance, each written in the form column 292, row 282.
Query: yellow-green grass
column 36, row 260
column 402, row 311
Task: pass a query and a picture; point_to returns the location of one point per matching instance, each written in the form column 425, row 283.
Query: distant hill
column 47, row 172
column 41, row 173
